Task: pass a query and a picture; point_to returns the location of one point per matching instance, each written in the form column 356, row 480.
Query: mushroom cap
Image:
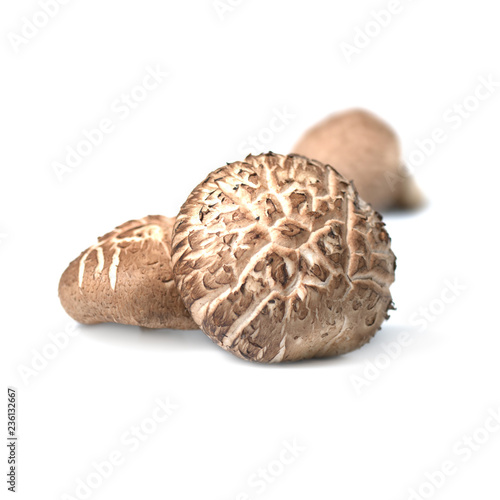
column 127, row 278
column 366, row 150
column 278, row 259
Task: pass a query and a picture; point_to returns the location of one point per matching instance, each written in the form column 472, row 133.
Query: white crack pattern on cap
column 278, row 259
column 127, row 278
column 116, row 242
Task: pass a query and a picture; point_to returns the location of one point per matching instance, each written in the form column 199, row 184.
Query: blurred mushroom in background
column 366, row 150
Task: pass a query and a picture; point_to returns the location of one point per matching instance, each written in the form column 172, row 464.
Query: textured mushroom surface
column 366, row 150
column 127, row 278
column 277, row 259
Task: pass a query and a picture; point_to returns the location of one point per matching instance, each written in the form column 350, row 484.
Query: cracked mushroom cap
column 277, row 259
column 127, row 278
column 366, row 150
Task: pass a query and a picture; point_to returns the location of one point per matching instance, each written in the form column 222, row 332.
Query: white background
column 227, row 76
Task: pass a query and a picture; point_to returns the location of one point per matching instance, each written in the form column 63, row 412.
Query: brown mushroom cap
column 277, row 259
column 366, row 150
column 127, row 278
